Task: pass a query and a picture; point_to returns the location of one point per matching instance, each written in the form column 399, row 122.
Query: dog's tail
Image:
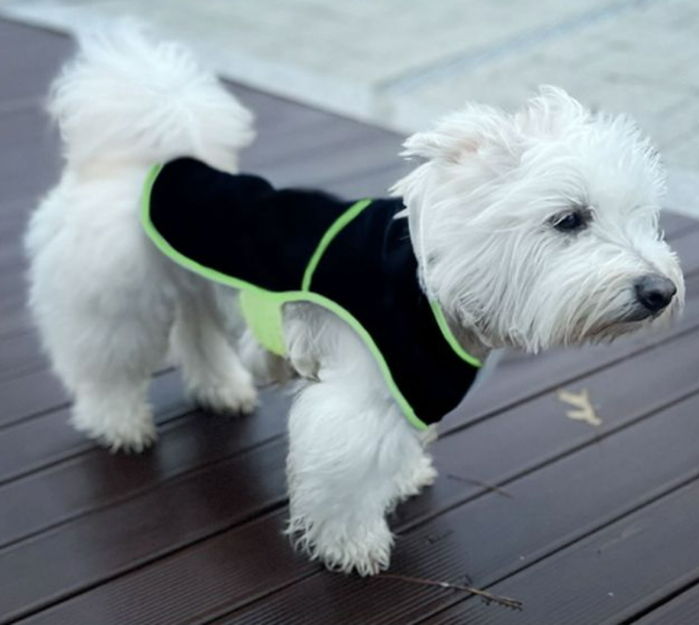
column 127, row 99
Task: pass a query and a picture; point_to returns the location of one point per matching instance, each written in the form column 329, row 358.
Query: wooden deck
column 589, row 525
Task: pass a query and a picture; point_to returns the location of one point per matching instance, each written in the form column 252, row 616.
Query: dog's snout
column 654, row 291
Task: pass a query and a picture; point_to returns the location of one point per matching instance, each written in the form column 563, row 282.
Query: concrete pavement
column 400, row 64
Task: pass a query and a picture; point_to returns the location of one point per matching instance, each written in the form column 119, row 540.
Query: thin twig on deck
column 491, row 487
column 484, row 594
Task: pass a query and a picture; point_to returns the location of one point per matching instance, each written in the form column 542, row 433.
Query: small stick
column 491, row 487
column 504, row 601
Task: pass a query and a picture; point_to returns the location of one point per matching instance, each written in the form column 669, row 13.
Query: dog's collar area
column 449, row 336
column 437, row 311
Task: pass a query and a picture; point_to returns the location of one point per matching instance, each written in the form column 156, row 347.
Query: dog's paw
column 363, row 548
column 131, row 431
column 234, row 396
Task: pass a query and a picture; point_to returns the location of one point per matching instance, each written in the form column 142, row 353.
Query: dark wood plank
column 323, row 133
column 494, row 536
column 369, row 182
column 31, row 395
column 625, row 566
column 197, row 583
column 317, row 161
column 681, row 609
column 480, row 467
column 29, row 162
column 186, row 444
column 48, row 438
column 494, row 451
column 483, row 545
column 119, row 538
column 275, row 115
column 21, row 355
column 674, row 224
column 488, row 538
column 29, row 62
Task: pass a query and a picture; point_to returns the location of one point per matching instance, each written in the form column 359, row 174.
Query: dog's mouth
column 604, row 332
column 639, row 313
column 608, row 328
column 633, row 313
column 631, row 319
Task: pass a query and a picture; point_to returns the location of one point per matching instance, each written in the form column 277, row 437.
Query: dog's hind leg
column 112, row 369
column 102, row 308
column 213, row 373
column 107, row 362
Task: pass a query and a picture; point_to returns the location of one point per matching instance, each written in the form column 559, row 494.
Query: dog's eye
column 571, row 221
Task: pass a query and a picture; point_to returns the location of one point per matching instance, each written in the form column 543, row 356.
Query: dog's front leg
column 352, row 456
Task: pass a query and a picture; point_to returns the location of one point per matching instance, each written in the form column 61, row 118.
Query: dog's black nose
column 654, row 291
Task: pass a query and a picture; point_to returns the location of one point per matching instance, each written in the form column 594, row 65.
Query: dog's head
column 540, row 228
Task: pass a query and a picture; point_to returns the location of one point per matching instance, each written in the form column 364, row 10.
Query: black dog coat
column 281, row 246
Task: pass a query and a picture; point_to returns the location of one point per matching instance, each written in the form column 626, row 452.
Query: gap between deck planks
column 495, row 537
column 62, row 468
column 679, row 609
column 679, row 361
column 616, row 564
column 489, row 537
column 470, row 453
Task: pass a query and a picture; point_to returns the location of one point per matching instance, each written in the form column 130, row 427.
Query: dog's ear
column 463, row 134
column 550, row 112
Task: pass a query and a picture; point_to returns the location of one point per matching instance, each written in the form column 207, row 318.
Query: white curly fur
column 480, row 207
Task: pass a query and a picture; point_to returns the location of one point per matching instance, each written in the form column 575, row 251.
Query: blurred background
column 400, row 64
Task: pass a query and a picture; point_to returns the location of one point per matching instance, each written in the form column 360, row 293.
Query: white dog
column 530, row 230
